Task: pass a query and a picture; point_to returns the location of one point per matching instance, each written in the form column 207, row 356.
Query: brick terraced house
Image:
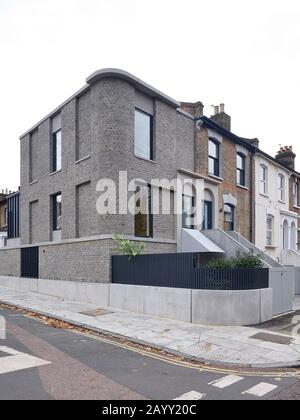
column 117, row 122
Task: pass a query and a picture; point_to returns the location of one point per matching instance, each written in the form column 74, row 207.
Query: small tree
column 127, row 247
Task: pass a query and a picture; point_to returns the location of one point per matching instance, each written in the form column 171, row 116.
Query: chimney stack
column 286, row 157
column 220, row 117
column 195, row 109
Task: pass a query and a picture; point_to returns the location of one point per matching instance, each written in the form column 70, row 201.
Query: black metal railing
column 182, row 271
column 30, row 262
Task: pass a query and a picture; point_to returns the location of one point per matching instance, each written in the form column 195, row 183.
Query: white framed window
column 263, row 180
column 281, row 187
column 241, row 169
column 229, row 218
column 214, row 157
column 296, row 194
column 270, row 230
column 188, row 211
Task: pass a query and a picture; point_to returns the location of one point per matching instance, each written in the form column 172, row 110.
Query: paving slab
column 212, row 344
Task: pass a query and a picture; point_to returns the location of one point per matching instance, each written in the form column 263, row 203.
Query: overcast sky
column 244, row 53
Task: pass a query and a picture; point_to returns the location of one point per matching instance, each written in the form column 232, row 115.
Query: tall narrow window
column 143, row 220
column 56, row 206
column 214, row 157
column 13, row 222
column 57, row 151
column 143, row 137
column 295, row 194
column 228, row 218
column 56, row 143
column 281, row 187
column 241, row 169
column 263, row 180
column 270, row 225
column 188, row 211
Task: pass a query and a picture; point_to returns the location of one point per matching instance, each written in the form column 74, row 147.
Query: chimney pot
column 221, row 118
column 286, row 156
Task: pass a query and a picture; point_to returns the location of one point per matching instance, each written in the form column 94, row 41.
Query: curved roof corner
column 139, row 84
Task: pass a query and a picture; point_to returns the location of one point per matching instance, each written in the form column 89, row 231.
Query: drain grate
column 272, row 338
column 96, row 312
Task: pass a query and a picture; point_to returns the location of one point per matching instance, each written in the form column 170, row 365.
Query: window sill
column 282, row 202
column 33, row 182
column 296, row 207
column 145, row 159
column 264, row 195
column 82, row 160
column 243, row 187
column 55, row 172
column 271, row 247
column 215, row 177
column 141, row 238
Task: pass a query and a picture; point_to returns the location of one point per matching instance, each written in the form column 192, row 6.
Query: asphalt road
column 39, row 362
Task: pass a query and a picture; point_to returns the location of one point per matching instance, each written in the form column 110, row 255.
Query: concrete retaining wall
column 156, row 301
column 94, row 293
column 196, row 306
column 297, row 280
column 242, row 307
column 282, row 281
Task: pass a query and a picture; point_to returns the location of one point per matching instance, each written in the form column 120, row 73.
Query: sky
column 243, row 53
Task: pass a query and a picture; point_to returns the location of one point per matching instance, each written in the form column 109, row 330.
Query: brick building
column 115, row 123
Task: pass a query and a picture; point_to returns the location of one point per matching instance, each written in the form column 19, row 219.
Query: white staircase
column 232, row 243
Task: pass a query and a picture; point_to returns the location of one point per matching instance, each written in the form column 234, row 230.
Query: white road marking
column 193, row 395
column 18, row 361
column 226, row 381
column 261, row 389
column 9, row 350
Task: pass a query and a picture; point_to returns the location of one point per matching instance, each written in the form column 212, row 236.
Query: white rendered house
column 275, row 224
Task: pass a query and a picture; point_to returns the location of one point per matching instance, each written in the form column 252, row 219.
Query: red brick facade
column 244, row 209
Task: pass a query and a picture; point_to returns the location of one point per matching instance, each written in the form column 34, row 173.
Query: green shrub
column 127, row 247
column 242, row 260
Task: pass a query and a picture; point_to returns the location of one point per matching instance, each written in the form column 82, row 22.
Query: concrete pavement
column 233, row 346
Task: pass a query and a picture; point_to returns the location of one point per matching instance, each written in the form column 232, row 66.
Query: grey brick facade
column 97, row 143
